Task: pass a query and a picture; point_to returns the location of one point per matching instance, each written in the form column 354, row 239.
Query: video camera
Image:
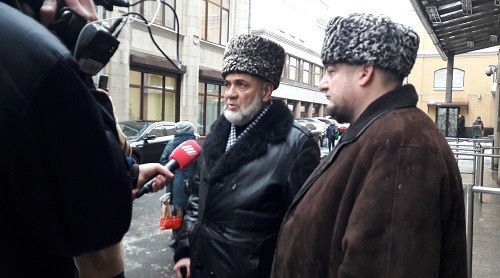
column 93, row 43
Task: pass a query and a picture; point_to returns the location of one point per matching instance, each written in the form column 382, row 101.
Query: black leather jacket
column 242, row 195
column 64, row 180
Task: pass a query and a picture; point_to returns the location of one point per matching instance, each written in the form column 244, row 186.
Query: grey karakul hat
column 256, row 56
column 369, row 39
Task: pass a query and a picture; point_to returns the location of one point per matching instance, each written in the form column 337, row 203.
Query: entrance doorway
column 446, row 120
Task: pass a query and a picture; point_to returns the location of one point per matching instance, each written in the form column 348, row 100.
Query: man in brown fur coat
column 388, row 200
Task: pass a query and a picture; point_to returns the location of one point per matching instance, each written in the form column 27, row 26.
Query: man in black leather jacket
column 253, row 162
column 66, row 185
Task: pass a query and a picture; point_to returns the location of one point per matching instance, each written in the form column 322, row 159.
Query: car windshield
column 133, row 129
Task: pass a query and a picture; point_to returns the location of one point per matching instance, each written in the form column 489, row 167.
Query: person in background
column 386, row 202
column 178, row 189
column 67, row 187
column 481, row 124
column 253, row 163
column 332, row 133
column 461, row 126
column 477, row 128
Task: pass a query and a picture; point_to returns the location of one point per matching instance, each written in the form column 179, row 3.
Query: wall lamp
column 470, row 45
column 466, row 7
column 433, row 14
column 493, row 38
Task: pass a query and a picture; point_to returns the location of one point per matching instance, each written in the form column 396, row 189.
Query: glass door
column 446, row 120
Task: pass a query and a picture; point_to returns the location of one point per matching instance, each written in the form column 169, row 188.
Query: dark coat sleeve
column 191, row 217
column 308, row 159
column 76, row 188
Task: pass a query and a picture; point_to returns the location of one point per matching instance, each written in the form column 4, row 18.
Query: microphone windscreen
column 186, row 153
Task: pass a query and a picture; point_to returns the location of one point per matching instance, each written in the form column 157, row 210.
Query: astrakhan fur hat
column 369, row 39
column 254, row 55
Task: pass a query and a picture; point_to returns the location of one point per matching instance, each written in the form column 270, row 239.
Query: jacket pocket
column 224, row 255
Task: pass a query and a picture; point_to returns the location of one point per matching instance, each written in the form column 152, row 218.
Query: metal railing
column 469, row 214
column 476, row 153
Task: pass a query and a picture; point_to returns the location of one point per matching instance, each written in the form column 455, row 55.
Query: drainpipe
column 496, row 136
column 449, row 78
column 249, row 16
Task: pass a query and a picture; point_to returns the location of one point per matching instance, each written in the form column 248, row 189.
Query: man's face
column 244, row 97
column 337, row 83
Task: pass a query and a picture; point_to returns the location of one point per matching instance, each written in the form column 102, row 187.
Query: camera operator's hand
column 85, row 8
column 147, row 170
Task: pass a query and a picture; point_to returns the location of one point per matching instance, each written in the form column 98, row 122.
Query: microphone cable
column 177, row 65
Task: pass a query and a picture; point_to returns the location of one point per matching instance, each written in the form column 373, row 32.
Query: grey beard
column 246, row 114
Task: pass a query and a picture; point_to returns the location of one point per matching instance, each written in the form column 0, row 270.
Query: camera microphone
column 95, row 47
column 182, row 156
column 93, row 43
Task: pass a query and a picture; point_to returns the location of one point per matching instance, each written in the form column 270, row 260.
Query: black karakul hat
column 369, row 39
column 256, row 56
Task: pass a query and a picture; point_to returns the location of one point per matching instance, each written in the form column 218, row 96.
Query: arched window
column 440, row 79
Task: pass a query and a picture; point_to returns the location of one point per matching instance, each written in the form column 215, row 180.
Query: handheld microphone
column 182, row 156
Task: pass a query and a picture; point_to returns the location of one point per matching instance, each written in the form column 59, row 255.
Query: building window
column 215, row 21
column 211, row 105
column 164, row 14
column 152, row 97
column 318, row 72
column 292, row 67
column 440, row 79
column 302, row 73
column 306, row 72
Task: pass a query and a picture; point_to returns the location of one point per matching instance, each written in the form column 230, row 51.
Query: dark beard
column 337, row 115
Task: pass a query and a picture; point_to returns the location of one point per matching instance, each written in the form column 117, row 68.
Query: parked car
column 312, row 128
column 320, row 126
column 328, row 120
column 343, row 127
column 148, row 138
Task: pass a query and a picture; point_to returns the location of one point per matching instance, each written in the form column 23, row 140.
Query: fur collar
column 273, row 128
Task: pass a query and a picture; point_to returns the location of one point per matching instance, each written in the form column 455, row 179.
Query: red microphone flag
column 186, row 153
